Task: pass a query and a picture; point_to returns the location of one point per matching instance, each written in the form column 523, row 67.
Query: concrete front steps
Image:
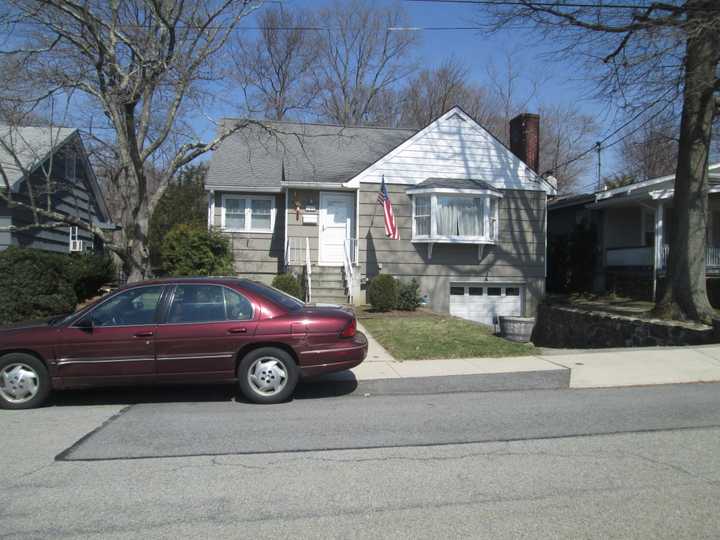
column 328, row 285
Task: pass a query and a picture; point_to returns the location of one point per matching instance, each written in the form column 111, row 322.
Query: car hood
column 25, row 326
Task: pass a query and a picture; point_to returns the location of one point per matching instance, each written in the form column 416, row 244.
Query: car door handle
column 144, row 334
column 241, row 330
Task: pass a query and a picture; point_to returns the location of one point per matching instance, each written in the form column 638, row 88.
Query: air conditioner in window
column 77, row 245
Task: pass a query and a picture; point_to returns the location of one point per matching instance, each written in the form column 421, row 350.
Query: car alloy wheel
column 19, row 383
column 267, row 376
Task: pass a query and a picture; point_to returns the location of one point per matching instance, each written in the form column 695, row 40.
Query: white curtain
column 459, row 216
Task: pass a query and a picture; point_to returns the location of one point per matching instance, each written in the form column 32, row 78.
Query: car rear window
column 274, row 295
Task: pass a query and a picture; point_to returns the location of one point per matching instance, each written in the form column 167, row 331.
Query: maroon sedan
column 180, row 330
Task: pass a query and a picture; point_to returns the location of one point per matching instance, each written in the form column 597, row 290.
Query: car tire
column 267, row 375
column 24, row 381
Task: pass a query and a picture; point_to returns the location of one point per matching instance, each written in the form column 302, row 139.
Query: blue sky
column 561, row 83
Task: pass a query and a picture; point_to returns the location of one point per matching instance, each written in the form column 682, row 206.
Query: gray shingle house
column 471, row 213
column 54, row 161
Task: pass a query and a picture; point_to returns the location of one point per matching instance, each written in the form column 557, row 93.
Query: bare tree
column 565, row 132
column 512, row 89
column 433, row 91
column 651, row 150
column 141, row 64
column 363, row 52
column 649, row 57
column 276, row 69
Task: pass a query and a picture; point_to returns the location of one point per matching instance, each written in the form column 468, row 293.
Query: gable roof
column 24, row 148
column 458, row 147
column 261, row 157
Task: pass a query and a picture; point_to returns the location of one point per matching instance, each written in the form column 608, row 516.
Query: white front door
column 336, row 220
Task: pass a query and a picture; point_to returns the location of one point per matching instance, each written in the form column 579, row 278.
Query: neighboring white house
column 471, row 213
column 632, row 223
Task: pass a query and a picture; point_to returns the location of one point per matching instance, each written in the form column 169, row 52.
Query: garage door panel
column 483, row 307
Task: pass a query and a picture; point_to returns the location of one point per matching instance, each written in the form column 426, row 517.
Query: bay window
column 244, row 213
column 447, row 217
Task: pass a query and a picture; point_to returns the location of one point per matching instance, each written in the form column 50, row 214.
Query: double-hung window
column 243, row 213
column 448, row 217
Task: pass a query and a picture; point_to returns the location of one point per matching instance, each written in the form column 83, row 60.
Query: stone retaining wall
column 568, row 327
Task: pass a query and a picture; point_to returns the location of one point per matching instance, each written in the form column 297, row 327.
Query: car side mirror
column 86, row 323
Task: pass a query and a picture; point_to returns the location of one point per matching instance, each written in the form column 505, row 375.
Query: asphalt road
column 634, row 484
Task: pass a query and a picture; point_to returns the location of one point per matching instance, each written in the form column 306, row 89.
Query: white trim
column 645, row 183
column 454, row 191
column 286, row 240
column 244, row 189
column 248, row 213
column 339, row 186
column 348, row 228
column 211, row 209
column 489, row 224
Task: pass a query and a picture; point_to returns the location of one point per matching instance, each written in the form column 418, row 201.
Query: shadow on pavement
column 131, row 395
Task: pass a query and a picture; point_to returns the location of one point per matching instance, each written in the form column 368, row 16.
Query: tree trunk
column 685, row 294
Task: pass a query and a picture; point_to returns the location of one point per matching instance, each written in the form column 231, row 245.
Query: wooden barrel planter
column 517, row 328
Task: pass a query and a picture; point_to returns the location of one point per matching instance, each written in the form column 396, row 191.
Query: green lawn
column 436, row 336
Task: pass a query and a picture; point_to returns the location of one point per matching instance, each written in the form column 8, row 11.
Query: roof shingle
column 262, row 156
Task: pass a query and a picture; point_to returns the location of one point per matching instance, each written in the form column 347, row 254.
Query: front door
column 114, row 341
column 336, row 222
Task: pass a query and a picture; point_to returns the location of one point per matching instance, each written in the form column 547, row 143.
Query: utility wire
column 559, row 4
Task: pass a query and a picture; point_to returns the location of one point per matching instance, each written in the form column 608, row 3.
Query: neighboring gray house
column 471, row 214
column 54, row 160
column 632, row 224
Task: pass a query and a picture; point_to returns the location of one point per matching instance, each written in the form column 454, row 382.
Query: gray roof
column 262, row 156
column 24, row 148
column 454, row 183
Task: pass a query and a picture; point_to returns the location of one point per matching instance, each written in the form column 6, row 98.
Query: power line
column 558, row 5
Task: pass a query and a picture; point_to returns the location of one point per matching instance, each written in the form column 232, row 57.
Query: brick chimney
column 525, row 139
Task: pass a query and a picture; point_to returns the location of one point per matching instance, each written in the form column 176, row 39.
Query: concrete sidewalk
column 381, row 373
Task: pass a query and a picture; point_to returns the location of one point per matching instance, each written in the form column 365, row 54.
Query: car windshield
column 59, row 320
column 277, row 296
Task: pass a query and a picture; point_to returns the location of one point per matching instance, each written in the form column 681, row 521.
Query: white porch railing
column 308, row 271
column 712, row 257
column 295, row 252
column 349, row 261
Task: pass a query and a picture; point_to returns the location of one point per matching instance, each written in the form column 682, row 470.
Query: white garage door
column 484, row 302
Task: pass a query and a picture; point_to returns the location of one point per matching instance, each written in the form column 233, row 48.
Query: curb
column 346, row 383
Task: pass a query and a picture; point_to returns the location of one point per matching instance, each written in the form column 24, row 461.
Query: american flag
column 391, row 230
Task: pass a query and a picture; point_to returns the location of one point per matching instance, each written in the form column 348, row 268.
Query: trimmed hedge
column 382, row 292
column 193, row 250
column 288, row 283
column 37, row 284
column 88, row 272
column 33, row 285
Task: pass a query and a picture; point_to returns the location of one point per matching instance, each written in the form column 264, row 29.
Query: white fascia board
column 451, row 191
column 320, row 185
column 610, row 193
column 243, row 189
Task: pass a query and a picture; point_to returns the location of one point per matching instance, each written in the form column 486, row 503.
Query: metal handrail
column 308, row 270
column 349, row 259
